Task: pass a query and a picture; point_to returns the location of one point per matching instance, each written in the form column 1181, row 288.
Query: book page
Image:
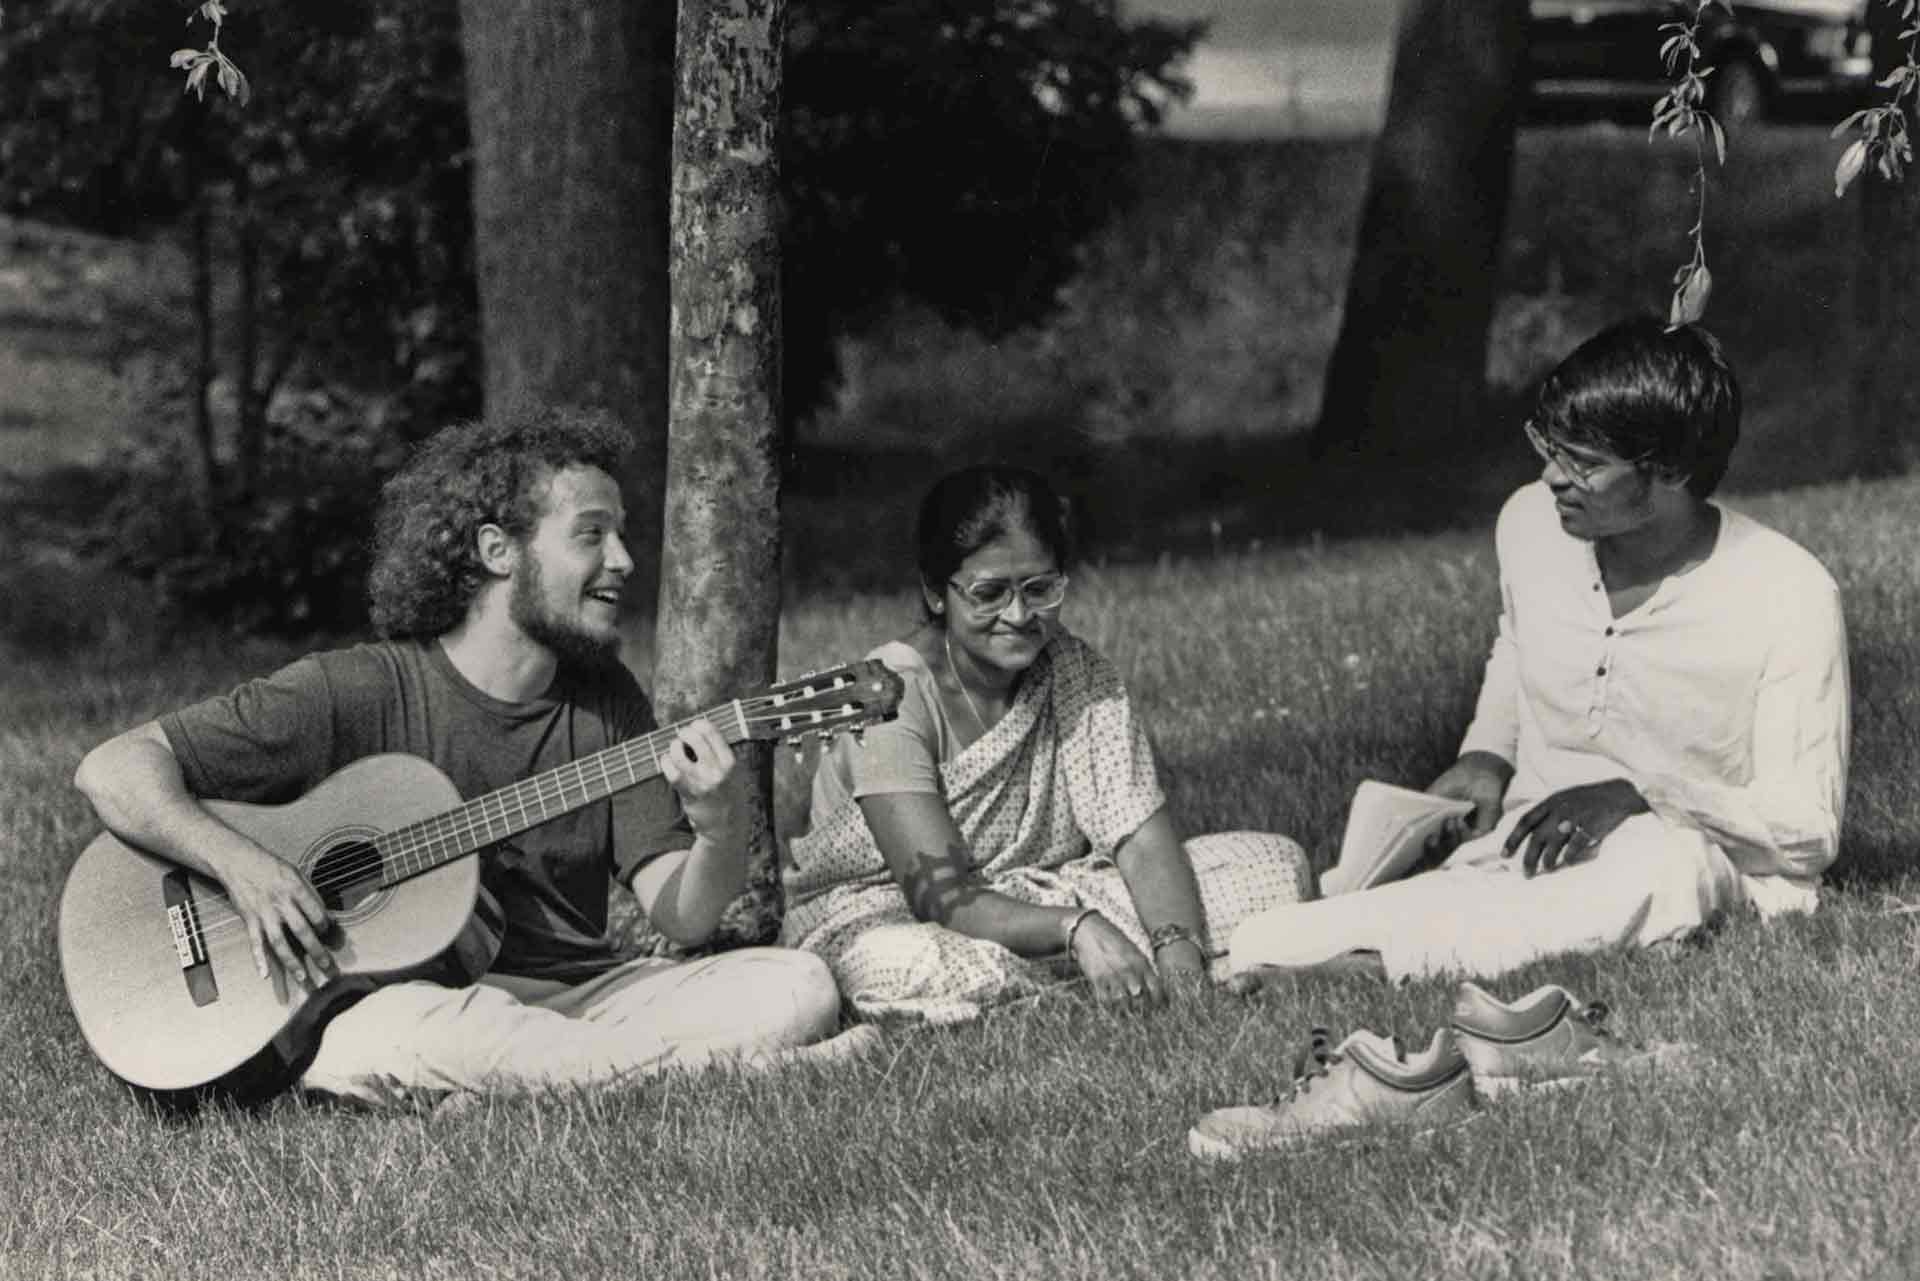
column 1387, row 830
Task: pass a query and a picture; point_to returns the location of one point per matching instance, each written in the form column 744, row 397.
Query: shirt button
column 1609, row 631
column 1600, row 671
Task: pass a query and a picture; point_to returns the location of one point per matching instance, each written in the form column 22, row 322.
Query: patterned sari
column 1042, row 799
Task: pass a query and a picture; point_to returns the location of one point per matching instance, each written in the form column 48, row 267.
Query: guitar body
column 169, row 1015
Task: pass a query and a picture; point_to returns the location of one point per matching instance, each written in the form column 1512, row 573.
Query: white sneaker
column 1546, row 1040
column 1340, row 1091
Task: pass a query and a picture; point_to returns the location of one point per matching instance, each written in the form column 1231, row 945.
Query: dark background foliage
column 946, row 152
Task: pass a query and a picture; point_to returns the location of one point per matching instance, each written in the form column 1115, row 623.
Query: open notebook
column 1387, row 830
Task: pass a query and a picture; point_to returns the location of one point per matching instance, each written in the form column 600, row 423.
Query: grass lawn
column 1048, row 1140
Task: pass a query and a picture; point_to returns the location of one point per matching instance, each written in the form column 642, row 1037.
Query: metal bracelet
column 1171, row 932
column 1075, row 924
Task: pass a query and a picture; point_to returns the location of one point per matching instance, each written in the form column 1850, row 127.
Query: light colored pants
column 507, row 1033
column 1648, row 882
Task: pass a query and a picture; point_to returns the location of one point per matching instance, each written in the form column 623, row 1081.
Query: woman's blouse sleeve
column 900, row 755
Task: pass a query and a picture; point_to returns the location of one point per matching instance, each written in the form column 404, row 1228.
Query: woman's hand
column 1115, row 967
column 1569, row 825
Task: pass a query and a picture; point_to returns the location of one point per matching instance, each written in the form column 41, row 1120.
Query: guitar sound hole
column 347, row 875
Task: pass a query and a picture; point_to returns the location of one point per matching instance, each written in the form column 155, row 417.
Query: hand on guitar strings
column 285, row 919
column 700, row 767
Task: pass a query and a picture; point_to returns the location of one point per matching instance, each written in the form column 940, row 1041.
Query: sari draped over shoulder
column 1066, row 772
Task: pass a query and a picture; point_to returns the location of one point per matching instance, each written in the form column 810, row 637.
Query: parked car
column 1766, row 54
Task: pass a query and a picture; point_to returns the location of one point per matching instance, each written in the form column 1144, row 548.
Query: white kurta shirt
column 1723, row 697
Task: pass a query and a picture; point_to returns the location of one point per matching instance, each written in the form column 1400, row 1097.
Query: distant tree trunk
column 206, row 459
column 720, row 588
column 570, row 107
column 1886, row 393
column 251, row 427
column 1409, row 368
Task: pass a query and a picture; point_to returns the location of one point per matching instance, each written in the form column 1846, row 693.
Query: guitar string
column 213, row 910
column 450, row 835
column 216, row 920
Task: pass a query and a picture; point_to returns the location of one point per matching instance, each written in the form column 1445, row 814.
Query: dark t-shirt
column 544, row 891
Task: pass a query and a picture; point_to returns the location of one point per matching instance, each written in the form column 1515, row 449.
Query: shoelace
column 1313, row 1061
column 1317, row 1057
column 1595, row 1017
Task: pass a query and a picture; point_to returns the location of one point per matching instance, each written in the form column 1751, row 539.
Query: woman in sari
column 1007, row 829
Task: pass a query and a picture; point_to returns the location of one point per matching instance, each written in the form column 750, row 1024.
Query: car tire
column 1737, row 93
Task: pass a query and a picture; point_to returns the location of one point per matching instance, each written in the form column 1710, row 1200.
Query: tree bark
column 251, row 424
column 1886, row 306
column 1408, row 372
column 206, row 455
column 570, row 107
column 720, row 582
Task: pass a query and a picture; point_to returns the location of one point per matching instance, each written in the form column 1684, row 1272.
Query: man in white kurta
column 1676, row 744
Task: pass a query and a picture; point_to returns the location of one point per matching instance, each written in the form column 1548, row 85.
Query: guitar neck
column 419, row 847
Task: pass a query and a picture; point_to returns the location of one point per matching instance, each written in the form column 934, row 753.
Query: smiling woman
column 1008, row 828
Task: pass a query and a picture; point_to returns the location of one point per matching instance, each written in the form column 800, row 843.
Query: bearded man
column 499, row 567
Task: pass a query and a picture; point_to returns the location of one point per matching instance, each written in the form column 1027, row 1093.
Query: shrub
column 291, row 557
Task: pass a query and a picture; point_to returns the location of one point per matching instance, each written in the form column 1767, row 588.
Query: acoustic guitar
column 158, row 966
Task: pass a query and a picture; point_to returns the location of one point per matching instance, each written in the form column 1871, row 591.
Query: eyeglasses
column 1579, row 472
column 988, row 597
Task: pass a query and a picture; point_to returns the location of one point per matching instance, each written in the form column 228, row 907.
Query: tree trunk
column 251, row 426
column 1886, row 306
column 570, row 107
column 720, row 588
column 1408, row 372
column 206, row 457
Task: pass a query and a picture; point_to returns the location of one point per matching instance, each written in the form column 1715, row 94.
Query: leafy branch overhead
column 1885, row 142
column 200, row 63
column 1682, row 112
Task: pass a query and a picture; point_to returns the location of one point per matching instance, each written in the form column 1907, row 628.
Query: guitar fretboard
column 419, row 847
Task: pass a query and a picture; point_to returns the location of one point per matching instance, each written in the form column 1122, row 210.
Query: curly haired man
column 499, row 567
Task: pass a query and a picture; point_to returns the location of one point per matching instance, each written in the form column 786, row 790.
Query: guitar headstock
column 821, row 704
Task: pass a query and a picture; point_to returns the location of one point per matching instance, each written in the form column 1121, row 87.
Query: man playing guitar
column 499, row 566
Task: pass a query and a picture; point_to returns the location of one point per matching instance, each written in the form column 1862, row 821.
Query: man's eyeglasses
column 1578, row 471
column 990, row 596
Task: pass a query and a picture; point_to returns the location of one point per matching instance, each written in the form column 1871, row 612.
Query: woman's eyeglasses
column 990, row 596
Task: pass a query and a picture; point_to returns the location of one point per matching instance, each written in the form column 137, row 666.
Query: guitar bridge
column 186, row 935
column 189, row 939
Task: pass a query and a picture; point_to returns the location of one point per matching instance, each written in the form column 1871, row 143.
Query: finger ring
column 1567, row 827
